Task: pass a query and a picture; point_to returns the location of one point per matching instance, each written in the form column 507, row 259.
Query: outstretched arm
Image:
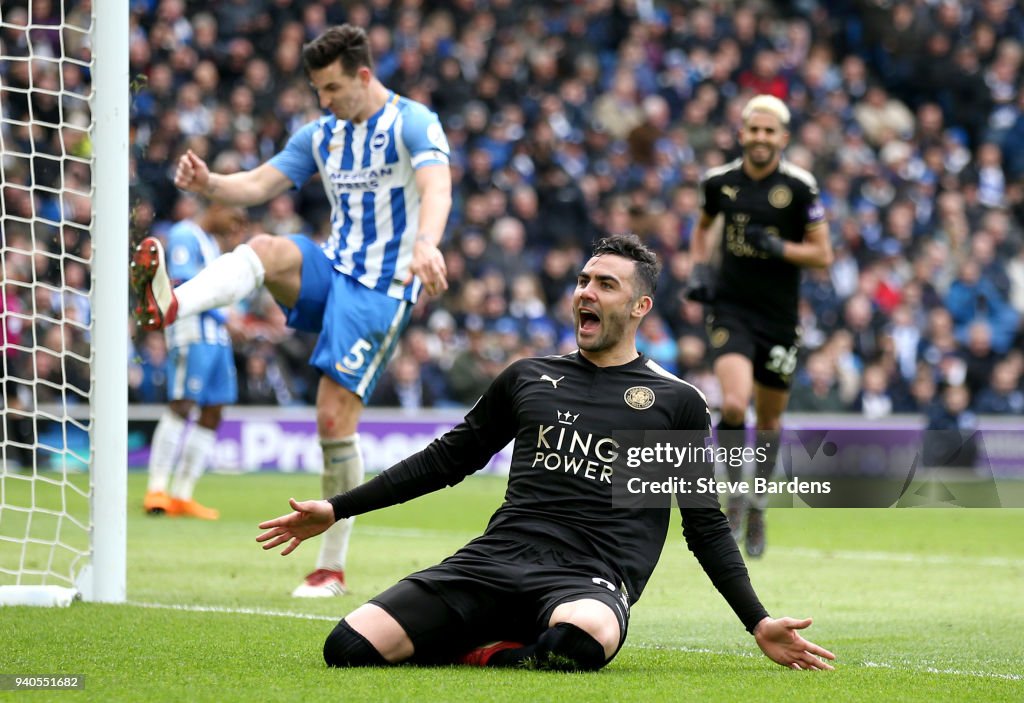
column 310, row 518
column 707, row 533
column 465, row 448
column 254, row 187
column 780, row 642
column 429, row 470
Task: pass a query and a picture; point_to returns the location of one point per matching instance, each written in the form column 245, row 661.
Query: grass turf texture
column 917, row 604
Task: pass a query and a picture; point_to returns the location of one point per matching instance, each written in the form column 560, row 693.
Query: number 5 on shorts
column 356, row 356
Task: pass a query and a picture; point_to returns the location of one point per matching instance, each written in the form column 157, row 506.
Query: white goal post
column 63, row 471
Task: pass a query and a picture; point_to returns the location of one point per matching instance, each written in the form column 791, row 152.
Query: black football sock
column 563, row 647
column 732, row 437
column 769, row 441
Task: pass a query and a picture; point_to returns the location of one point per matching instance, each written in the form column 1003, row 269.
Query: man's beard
column 749, row 153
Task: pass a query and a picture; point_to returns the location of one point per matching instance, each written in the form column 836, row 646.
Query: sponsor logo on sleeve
column 436, row 136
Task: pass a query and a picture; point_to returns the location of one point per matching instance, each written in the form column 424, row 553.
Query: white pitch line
column 675, row 648
column 901, row 557
column 416, row 532
column 865, row 664
column 802, row 552
column 951, row 672
column 233, row 611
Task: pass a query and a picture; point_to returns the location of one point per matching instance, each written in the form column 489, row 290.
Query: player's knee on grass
column 566, row 647
column 346, row 647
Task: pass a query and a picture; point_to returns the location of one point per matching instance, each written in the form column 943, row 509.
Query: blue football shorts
column 202, row 373
column 359, row 328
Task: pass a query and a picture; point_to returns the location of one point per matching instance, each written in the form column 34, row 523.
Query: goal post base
column 40, row 596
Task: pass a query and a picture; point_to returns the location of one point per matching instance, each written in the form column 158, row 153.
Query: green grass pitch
column 918, row 604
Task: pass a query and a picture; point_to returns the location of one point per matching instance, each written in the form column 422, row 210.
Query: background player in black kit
column 773, row 224
column 559, row 565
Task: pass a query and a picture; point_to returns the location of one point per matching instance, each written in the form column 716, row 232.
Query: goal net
column 63, row 299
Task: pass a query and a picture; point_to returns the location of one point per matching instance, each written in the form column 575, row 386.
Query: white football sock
column 194, row 457
column 228, row 279
column 164, row 449
column 343, row 471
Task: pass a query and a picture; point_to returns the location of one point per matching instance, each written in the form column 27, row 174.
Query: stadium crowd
column 568, row 120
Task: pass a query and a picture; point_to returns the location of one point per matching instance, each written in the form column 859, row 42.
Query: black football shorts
column 771, row 347
column 497, row 587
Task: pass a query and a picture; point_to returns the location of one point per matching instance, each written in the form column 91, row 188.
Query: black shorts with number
column 772, row 347
column 497, row 587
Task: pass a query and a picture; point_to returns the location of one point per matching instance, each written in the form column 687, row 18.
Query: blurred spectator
column 19, row 436
column 1004, row 396
column 559, row 269
column 972, row 298
column 261, row 382
column 816, row 389
column 939, row 349
column 402, row 386
column 921, row 393
column 419, row 346
column 654, row 342
column 980, row 358
column 874, row 401
column 859, row 319
column 906, row 338
column 883, row 118
column 618, row 110
column 949, row 437
column 281, row 218
column 764, row 76
column 149, row 384
column 474, row 368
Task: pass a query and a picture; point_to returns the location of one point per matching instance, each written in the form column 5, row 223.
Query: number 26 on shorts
column 782, row 360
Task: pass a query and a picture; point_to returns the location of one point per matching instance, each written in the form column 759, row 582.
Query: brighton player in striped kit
column 383, row 160
column 200, row 370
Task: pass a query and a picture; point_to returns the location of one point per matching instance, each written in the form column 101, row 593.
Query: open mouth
column 589, row 320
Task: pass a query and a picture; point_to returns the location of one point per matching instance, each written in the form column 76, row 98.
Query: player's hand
column 428, row 263
column 780, row 642
column 192, row 173
column 762, row 240
column 311, row 517
column 701, row 286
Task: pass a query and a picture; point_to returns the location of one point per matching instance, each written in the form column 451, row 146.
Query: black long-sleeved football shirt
column 562, row 412
column 786, row 203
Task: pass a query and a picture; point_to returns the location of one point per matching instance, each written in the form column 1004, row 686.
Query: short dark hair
column 346, row 43
column 629, row 246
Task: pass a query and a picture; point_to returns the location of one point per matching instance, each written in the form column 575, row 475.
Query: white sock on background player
column 228, row 279
column 194, row 458
column 164, row 450
column 343, row 471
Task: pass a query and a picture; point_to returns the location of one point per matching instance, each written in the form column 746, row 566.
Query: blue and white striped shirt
column 368, row 172
column 189, row 250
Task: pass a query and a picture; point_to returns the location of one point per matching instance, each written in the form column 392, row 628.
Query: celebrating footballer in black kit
column 551, row 581
column 772, row 225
